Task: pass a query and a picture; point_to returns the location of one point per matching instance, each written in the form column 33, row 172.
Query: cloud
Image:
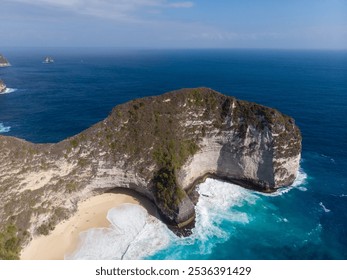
column 181, row 5
column 216, row 35
column 112, row 9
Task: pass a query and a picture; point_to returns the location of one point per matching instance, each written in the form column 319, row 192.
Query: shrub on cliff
column 9, row 243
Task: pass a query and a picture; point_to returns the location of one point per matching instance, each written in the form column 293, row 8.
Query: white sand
column 65, row 237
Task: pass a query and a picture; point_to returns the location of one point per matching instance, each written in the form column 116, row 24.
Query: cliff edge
column 157, row 146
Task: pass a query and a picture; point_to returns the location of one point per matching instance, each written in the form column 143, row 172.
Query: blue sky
column 298, row 24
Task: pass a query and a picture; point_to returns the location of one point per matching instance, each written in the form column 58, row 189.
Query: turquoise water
column 49, row 102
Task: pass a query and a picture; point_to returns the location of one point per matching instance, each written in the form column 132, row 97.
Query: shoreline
column 91, row 213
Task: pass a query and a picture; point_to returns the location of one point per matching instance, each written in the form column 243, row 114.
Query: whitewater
column 134, row 234
column 3, row 128
column 8, row 90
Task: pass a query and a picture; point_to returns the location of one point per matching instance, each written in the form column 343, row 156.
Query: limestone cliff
column 158, row 146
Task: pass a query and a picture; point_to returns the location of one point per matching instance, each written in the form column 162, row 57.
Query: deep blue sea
column 49, row 102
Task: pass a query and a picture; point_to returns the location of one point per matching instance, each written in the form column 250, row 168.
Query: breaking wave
column 326, row 210
column 134, row 234
column 142, row 235
column 3, row 128
column 299, row 184
column 8, row 90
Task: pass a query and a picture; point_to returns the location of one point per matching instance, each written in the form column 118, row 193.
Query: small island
column 2, row 87
column 3, row 61
column 48, row 60
column 160, row 147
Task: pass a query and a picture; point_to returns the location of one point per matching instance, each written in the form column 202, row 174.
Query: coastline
column 91, row 213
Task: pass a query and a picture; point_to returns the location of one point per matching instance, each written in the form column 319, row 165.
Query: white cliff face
column 225, row 161
column 110, row 178
column 205, row 161
column 263, row 159
column 288, row 170
column 229, row 156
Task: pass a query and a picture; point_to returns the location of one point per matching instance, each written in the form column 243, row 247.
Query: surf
column 8, row 90
column 221, row 209
column 3, row 128
column 133, row 234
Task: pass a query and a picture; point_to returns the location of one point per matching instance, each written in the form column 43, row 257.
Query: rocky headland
column 159, row 147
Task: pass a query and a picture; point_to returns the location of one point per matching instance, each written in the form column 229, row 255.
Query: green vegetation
column 197, row 98
column 71, row 187
column 170, row 157
column 206, row 100
column 249, row 113
column 9, row 243
column 174, row 153
column 44, row 229
column 58, row 215
column 74, row 143
column 82, row 162
column 166, row 190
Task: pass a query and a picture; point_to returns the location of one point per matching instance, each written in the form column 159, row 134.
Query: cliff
column 3, row 61
column 158, row 146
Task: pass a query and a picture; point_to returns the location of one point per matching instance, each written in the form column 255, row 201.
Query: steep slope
column 158, row 146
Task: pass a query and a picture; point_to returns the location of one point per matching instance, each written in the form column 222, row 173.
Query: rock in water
column 157, row 146
column 2, row 86
column 3, row 61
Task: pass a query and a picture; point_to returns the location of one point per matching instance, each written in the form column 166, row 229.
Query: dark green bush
column 9, row 243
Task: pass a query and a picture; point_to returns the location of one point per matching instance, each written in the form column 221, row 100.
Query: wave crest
column 133, row 234
column 8, row 90
column 299, row 184
column 4, row 129
column 143, row 236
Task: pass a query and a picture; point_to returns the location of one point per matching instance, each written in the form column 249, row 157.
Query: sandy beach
column 64, row 238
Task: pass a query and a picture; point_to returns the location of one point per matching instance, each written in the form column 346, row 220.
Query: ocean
column 49, row 102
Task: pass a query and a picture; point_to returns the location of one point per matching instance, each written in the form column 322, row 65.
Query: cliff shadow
column 228, row 169
column 141, row 199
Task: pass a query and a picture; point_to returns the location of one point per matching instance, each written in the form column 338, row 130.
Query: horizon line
column 173, row 48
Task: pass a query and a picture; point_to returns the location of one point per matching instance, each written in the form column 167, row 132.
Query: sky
column 280, row 24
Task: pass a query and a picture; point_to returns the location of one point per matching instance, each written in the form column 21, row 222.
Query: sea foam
column 218, row 202
column 326, row 210
column 8, row 90
column 299, row 184
column 134, row 234
column 3, row 128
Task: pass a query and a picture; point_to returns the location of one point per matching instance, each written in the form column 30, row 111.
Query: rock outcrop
column 157, row 146
column 2, row 86
column 3, row 61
